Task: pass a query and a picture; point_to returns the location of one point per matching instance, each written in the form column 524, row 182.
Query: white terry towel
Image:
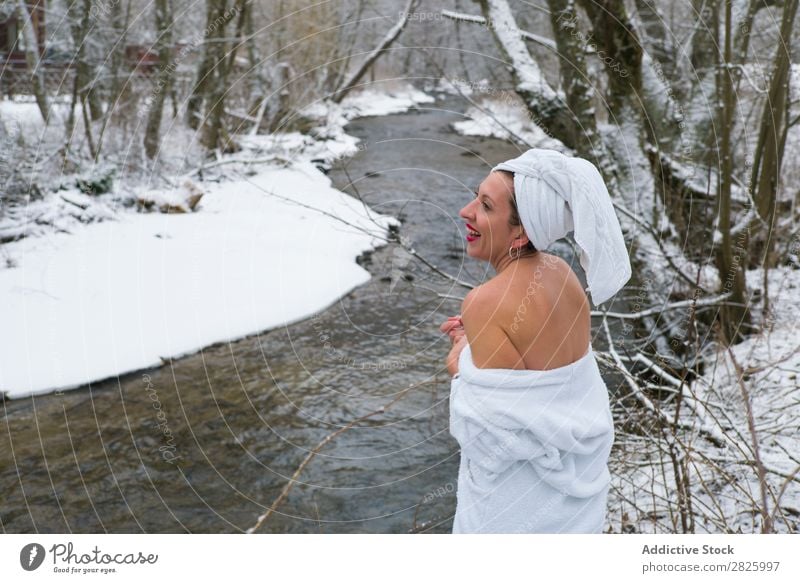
column 557, row 194
column 534, row 448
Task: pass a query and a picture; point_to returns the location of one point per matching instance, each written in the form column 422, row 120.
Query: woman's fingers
column 456, row 334
column 450, row 323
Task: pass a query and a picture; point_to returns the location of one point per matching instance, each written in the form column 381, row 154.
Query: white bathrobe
column 534, row 448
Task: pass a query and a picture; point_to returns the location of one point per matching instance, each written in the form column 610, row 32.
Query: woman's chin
column 474, row 252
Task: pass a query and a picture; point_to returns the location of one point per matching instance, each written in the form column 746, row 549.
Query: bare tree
column 163, row 83
column 32, row 60
column 387, row 41
column 81, row 25
column 771, row 146
column 213, row 128
column 120, row 23
column 730, row 263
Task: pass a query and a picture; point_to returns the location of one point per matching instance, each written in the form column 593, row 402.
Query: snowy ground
column 724, row 482
column 95, row 289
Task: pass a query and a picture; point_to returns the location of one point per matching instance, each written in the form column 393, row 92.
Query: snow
column 725, row 485
column 269, row 244
column 367, row 103
column 175, row 200
column 118, row 295
column 459, row 86
column 475, row 19
column 531, row 78
column 502, row 118
column 20, row 112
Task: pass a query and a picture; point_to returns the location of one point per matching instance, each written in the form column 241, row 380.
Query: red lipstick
column 472, row 233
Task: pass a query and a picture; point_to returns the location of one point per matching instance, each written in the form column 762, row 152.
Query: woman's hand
column 453, row 327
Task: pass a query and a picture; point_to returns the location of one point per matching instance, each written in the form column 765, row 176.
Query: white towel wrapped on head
column 557, row 194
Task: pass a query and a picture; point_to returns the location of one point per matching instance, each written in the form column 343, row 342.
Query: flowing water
column 207, row 442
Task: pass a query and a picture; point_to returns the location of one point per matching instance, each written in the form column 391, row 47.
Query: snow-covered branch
column 475, row 19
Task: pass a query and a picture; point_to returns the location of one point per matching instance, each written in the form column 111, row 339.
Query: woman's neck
column 507, row 263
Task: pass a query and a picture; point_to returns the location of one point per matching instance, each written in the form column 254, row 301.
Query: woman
column 557, row 315
column 528, row 405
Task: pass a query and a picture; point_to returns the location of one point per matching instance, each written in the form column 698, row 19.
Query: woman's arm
column 454, row 328
column 455, row 352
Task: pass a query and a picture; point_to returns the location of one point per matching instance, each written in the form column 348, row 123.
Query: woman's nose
column 464, row 212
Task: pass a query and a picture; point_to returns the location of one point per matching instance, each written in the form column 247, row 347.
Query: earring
column 517, row 256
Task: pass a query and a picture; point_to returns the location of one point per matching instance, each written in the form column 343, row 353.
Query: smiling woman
column 493, row 212
column 533, row 314
column 527, row 403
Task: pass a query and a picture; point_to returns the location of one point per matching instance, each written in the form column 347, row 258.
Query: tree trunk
column 163, row 21
column 730, row 260
column 214, row 33
column 770, row 149
column 659, row 40
column 213, row 128
column 550, row 109
column 579, row 94
column 80, row 24
column 32, row 60
column 120, row 23
column 703, row 51
column 622, row 51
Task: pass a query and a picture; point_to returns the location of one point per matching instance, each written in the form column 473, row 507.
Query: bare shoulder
column 547, row 281
column 482, row 313
column 483, row 310
column 553, row 272
column 481, row 301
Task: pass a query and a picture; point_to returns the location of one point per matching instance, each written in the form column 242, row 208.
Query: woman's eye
column 486, row 206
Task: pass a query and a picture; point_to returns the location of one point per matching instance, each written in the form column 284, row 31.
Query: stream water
column 206, row 443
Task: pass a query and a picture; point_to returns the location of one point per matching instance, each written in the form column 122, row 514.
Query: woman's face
column 489, row 214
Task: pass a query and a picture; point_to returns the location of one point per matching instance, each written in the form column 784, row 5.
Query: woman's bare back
column 533, row 315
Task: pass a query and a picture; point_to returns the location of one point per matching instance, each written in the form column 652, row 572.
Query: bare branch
column 390, row 37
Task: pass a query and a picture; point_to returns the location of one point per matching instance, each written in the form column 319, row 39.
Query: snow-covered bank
column 497, row 114
column 723, row 477
column 266, row 248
